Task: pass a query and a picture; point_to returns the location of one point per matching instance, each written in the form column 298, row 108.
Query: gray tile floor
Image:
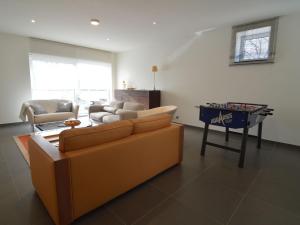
column 208, row 191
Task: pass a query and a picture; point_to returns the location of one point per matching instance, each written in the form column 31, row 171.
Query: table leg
column 243, row 147
column 259, row 135
column 227, row 134
column 204, row 139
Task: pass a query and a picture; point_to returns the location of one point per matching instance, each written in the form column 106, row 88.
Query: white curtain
column 78, row 80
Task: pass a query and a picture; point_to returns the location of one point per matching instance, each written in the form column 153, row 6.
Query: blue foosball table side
column 233, row 115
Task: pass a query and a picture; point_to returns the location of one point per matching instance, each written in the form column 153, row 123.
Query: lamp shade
column 154, row 69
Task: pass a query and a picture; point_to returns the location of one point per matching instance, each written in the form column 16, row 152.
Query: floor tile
column 256, row 212
column 23, row 184
column 135, row 203
column 32, row 210
column 232, row 177
column 216, row 201
column 279, row 187
column 174, row 178
column 99, row 216
column 193, row 159
column 173, row 213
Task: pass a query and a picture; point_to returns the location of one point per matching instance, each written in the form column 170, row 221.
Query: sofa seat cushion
column 51, row 117
column 151, row 123
column 99, row 115
column 111, row 118
column 79, row 138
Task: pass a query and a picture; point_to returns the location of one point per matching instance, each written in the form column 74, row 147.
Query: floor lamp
column 154, row 70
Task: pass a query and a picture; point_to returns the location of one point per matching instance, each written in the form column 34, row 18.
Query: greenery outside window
column 254, row 43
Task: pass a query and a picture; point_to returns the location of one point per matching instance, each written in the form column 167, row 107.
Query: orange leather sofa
column 93, row 165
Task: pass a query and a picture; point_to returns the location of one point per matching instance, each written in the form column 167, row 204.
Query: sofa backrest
column 151, row 123
column 116, row 104
column 50, row 105
column 133, row 106
column 79, row 138
column 170, row 109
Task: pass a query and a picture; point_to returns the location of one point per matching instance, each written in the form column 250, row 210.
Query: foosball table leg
column 259, row 133
column 243, row 147
column 227, row 134
column 204, row 140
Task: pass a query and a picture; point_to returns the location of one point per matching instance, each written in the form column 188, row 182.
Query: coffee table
column 53, row 135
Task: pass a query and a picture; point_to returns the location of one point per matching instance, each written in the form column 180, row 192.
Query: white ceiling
column 128, row 23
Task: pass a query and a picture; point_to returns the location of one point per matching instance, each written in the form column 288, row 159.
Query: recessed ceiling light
column 95, row 22
column 33, row 21
column 108, row 39
column 154, row 23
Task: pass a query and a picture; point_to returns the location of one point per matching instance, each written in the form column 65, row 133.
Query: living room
column 158, row 90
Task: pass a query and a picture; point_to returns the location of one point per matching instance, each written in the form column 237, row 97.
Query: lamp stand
column 154, row 81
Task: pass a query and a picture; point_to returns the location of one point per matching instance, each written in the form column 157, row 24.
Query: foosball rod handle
column 265, row 114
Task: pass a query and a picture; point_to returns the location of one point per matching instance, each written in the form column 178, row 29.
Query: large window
column 81, row 81
column 254, row 43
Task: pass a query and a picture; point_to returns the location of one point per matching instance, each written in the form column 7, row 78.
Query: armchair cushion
column 110, row 109
column 121, row 114
column 38, row 109
column 99, row 115
column 64, row 107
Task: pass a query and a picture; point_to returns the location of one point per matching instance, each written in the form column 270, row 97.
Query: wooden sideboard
column 149, row 98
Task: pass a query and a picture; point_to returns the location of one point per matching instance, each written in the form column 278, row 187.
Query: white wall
column 15, row 87
column 14, row 76
column 195, row 70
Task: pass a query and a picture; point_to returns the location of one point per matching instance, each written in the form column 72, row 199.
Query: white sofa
column 98, row 112
column 122, row 114
column 51, row 108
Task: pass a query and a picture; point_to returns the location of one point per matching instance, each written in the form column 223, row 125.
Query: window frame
column 273, row 23
column 76, row 90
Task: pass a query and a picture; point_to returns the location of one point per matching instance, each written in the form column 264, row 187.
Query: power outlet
column 176, row 117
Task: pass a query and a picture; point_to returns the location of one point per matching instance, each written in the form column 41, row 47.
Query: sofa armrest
column 49, row 172
column 75, row 109
column 95, row 108
column 30, row 114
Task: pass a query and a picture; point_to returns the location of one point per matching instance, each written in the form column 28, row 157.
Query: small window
column 254, row 43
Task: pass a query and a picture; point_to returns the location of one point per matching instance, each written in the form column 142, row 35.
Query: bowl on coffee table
column 72, row 123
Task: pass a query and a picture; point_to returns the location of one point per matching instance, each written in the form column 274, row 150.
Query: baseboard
column 13, row 124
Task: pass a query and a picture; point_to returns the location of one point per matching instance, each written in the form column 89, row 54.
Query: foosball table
column 233, row 115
